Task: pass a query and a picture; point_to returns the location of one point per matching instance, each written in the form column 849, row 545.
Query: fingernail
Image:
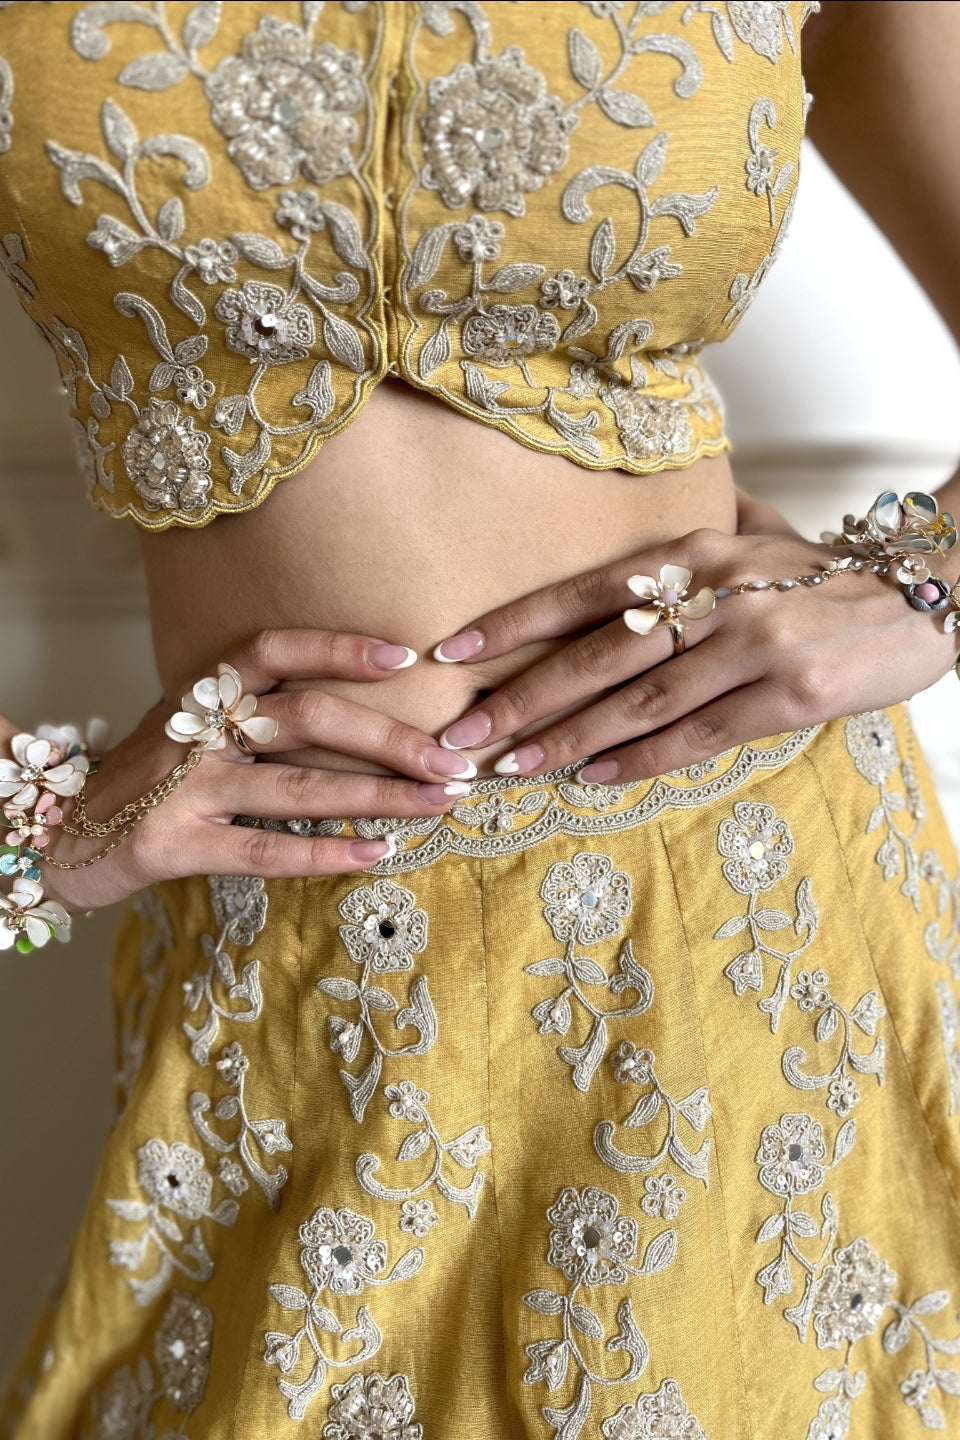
column 601, row 772
column 440, row 794
column 468, row 731
column 366, row 850
column 445, row 762
column 389, row 657
column 459, row 647
column 520, row 762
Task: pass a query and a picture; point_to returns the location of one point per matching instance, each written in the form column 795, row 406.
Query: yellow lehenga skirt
column 614, row 1112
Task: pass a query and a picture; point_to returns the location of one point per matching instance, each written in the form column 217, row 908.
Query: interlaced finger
column 293, row 792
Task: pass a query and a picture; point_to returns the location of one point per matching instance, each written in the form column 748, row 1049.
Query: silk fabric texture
column 670, row 1065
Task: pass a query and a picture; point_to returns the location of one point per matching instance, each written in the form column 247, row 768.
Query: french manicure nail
column 447, row 762
column 440, row 794
column 520, row 762
column 471, row 730
column 390, row 657
column 601, row 772
column 459, row 647
column 366, row 850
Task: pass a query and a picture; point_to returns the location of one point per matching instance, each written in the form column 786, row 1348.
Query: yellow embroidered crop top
column 232, row 220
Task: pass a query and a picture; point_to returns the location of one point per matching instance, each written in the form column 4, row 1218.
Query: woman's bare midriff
column 407, row 525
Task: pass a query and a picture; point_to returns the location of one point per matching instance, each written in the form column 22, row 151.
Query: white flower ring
column 217, row 707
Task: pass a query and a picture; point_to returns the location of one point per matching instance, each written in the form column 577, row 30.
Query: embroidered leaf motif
column 732, row 927
column 808, row 913
column 339, row 987
column 88, row 39
column 575, row 430
column 300, row 1396
column 844, row 1142
column 772, row 919
column 168, row 1228
column 201, row 24
column 260, row 250
column 659, row 1253
column 119, row 132
column 414, row 1144
column 343, row 342
column 827, row 1024
column 436, row 352
column 948, row 1380
column 584, row 321
column 193, row 157
column 407, row 1265
column 828, row 1381
column 379, row 999
column 75, row 166
column 171, row 219
column 481, row 390
column 129, row 1209
column 585, row 1321
column 585, row 1058
column 426, row 256
column 685, row 208
column 552, row 966
column 630, row 1338
column 547, row 1302
column 514, row 277
column 688, row 82
column 121, row 380
column 695, row 1163
column 153, row 72
column 585, row 61
column 930, row 1304
column 362, row 1088
column 569, row 1422
column 625, row 109
column 289, row 1297
column 602, row 248
column 932, row 1417
column 588, row 970
column 241, row 467
column 324, row 1319
column 633, row 976
column 226, row 1108
column 872, row 1064
column 318, row 394
column 646, row 1109
column 468, row 1195
column 803, row 1224
column 770, row 1229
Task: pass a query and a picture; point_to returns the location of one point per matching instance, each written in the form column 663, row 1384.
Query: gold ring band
column 679, row 644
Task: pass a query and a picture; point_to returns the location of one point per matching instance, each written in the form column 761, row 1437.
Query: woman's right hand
column 191, row 832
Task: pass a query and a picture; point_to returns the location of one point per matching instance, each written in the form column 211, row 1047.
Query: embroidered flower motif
column 759, row 166
column 340, row 1253
column 506, row 333
column 234, row 1064
column 655, row 265
column 38, row 765
column 851, row 1295
column 761, row 23
column 418, row 1217
column 664, row 1196
column 286, row 108
column 371, row 1408
column 553, row 1015
column 385, row 929
column 492, row 134
column 757, row 843
column 217, row 705
column 917, row 1389
column 811, row 990
column 239, row 906
column 631, row 1064
column 166, row 459
column 181, row 1348
column 661, row 1416
column 122, row 1409
column 832, row 1420
column 258, row 325
column 301, row 211
column 174, row 1176
column 651, row 427
column 872, row 743
column 191, row 386
column 791, row 1155
column 345, row 1037
column 212, row 260
column 564, row 289
column 230, row 1174
column 584, row 380
column 603, row 9
column 478, row 240
column 591, row 1241
column 586, row 899
column 27, row 921
column 842, row 1095
column 407, row 1101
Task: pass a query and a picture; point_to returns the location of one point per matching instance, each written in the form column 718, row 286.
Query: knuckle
column 296, row 786
column 383, row 794
column 644, row 700
column 395, row 737
column 514, row 703
column 580, row 592
column 706, row 734
column 810, row 687
column 594, row 655
column 262, row 649
column 308, row 708
column 258, row 849
column 704, row 540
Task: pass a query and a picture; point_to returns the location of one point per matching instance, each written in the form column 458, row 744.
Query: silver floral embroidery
column 368, row 1407
column 6, row 105
column 846, row 1290
column 287, row 107
column 506, row 334
column 384, row 931
column 637, row 1067
column 649, row 425
column 762, row 24
column 175, row 1180
column 763, row 178
column 663, row 1415
column 591, row 1244
column 411, row 1105
column 341, row 1255
column 181, row 1350
column 270, row 1136
column 262, row 324
column 239, row 907
column 166, row 458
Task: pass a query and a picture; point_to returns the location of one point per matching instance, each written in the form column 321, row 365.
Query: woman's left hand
column 760, row 664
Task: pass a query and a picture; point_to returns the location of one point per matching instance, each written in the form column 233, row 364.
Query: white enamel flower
column 215, row 707
column 37, row 765
column 669, row 602
column 27, row 920
column 586, row 899
column 591, row 1241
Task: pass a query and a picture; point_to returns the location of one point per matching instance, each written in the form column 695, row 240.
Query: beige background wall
column 826, row 410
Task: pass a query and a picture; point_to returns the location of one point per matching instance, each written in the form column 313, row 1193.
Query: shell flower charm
column 27, row 921
column 900, row 533
column 217, row 707
column 670, row 603
column 38, row 765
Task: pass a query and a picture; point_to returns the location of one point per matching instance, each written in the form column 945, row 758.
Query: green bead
column 24, row 945
column 9, row 849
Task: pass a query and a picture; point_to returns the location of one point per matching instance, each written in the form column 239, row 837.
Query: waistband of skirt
column 505, row 816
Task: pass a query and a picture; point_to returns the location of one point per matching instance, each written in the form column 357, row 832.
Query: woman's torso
column 235, row 225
